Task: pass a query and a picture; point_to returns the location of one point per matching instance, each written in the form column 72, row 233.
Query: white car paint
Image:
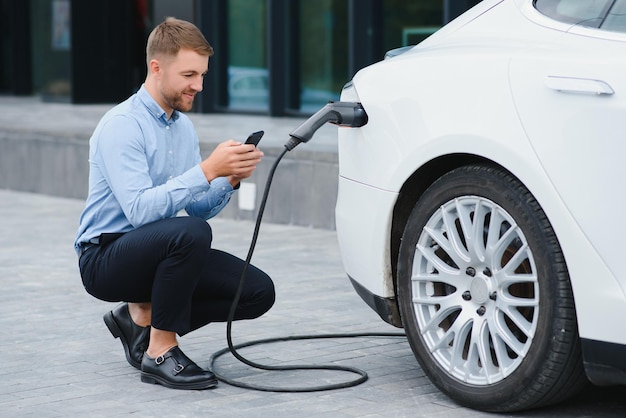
column 509, row 78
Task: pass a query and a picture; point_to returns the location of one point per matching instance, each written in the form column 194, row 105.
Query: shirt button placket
column 170, row 152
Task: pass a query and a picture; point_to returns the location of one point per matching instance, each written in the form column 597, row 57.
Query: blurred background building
column 273, row 57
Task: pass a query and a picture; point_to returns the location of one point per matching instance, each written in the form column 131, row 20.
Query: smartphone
column 254, row 138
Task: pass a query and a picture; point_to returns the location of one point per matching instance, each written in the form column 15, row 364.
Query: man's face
column 181, row 78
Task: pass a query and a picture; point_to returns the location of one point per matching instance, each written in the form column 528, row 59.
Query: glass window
column 616, row 19
column 410, row 22
column 248, row 86
column 323, row 52
column 585, row 13
column 51, row 49
column 604, row 14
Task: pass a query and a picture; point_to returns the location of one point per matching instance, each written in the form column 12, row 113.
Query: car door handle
column 579, row 85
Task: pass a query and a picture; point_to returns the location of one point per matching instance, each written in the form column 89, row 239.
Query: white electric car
column 482, row 206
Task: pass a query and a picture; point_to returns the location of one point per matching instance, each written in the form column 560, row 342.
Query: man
column 145, row 168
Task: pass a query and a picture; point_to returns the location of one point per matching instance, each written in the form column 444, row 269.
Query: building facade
column 276, row 57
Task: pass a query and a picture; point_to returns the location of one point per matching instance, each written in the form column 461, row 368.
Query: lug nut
column 487, row 272
column 493, row 296
column 481, row 311
column 467, row 295
column 470, row 271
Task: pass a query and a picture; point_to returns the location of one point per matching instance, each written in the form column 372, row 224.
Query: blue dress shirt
column 144, row 167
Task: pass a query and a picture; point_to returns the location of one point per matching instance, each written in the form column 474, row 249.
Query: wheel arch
column 414, row 187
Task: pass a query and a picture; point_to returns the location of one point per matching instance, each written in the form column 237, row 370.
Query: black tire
column 486, row 301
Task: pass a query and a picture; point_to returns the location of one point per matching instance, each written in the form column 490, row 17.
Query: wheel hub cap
column 479, row 289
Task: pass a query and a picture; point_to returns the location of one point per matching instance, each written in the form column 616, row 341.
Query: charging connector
column 348, row 114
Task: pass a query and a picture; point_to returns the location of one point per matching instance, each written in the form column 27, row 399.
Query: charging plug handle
column 349, row 114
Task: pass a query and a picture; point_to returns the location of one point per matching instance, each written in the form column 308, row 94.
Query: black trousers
column 171, row 264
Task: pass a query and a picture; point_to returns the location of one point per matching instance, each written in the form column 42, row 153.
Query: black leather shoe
column 135, row 339
column 176, row 371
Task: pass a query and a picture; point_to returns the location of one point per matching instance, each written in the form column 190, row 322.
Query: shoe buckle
column 159, row 360
column 179, row 368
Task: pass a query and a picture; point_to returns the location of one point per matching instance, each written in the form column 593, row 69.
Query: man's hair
column 172, row 35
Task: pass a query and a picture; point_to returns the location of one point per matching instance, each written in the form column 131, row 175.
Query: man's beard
column 177, row 101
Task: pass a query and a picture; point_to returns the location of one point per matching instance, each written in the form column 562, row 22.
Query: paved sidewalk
column 58, row 359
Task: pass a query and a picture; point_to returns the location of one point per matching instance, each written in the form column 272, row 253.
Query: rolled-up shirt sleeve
column 209, row 203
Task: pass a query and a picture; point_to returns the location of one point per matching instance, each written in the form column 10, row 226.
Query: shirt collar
column 154, row 108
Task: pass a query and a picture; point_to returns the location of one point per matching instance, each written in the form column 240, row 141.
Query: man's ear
column 154, row 67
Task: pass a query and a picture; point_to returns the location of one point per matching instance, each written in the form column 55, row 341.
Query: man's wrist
column 234, row 181
column 207, row 174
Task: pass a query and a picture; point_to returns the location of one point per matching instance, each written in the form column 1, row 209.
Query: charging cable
column 233, row 348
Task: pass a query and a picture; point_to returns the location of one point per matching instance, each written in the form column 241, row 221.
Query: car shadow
column 594, row 401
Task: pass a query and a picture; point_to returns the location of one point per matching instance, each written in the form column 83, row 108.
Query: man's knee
column 194, row 232
column 264, row 296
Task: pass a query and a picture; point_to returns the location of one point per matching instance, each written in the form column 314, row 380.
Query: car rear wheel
column 484, row 294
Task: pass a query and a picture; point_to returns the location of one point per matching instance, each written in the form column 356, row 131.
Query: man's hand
column 231, row 159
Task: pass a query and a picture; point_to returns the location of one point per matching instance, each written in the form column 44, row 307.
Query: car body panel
column 579, row 140
column 376, row 219
column 410, row 125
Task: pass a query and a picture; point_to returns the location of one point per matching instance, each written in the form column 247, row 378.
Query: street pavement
column 59, row 360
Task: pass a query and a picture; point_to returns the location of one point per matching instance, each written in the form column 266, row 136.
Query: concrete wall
column 45, row 164
column 303, row 192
